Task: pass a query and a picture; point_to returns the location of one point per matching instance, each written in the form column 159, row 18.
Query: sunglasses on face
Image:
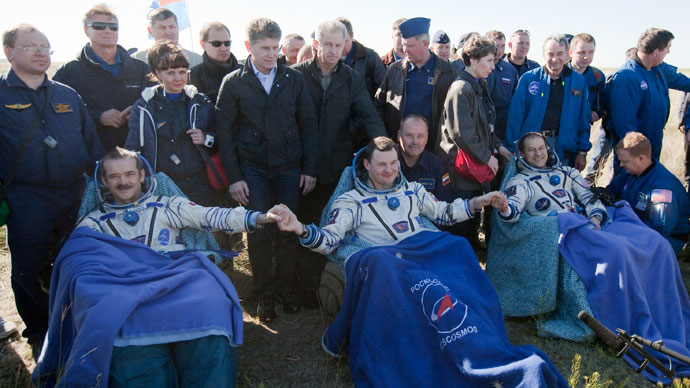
column 100, row 26
column 218, row 43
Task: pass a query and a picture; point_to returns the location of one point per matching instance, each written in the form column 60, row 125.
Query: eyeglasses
column 218, row 43
column 100, row 26
column 33, row 50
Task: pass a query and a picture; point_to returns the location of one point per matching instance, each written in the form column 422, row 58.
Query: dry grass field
column 287, row 352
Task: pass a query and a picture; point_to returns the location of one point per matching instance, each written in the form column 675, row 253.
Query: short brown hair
column 477, row 47
column 398, row 22
column 119, row 153
column 261, row 28
column 381, row 144
column 636, row 144
column 495, row 34
column 9, row 37
column 206, row 28
column 98, row 9
column 166, row 55
column 584, row 38
column 348, row 25
column 160, row 14
column 654, row 39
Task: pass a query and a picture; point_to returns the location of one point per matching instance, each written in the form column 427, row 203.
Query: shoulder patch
column 61, row 108
column 510, row 191
column 401, row 226
column 445, row 180
column 533, row 88
column 662, row 196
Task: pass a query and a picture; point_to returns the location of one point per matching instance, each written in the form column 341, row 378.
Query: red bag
column 216, row 173
column 466, row 167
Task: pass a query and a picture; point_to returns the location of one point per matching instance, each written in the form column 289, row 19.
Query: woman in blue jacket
column 172, row 124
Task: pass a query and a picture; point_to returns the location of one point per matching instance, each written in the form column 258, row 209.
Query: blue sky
column 615, row 24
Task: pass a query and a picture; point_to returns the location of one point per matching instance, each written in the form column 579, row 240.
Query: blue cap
column 440, row 37
column 415, row 26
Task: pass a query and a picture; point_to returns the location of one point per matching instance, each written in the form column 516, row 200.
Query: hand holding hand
column 286, row 219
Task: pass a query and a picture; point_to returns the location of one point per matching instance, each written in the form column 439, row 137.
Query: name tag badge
column 61, row 108
column 175, row 159
column 50, row 142
column 576, row 92
column 428, row 183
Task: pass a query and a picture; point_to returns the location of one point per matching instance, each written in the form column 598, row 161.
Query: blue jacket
column 596, row 83
column 637, row 191
column 102, row 91
column 149, row 131
column 639, row 102
column 66, row 120
column 501, row 84
column 528, row 107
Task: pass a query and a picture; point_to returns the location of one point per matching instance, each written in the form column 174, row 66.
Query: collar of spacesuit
column 360, row 176
column 106, row 199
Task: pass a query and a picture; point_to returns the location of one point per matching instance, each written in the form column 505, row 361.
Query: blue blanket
column 423, row 314
column 632, row 278
column 106, row 291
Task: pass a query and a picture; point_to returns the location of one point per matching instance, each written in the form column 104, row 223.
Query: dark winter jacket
column 208, row 76
column 368, row 64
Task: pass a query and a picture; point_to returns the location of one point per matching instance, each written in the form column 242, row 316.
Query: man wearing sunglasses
column 106, row 77
column 218, row 59
column 163, row 26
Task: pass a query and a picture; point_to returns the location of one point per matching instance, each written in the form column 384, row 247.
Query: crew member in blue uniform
column 582, row 48
column 416, row 85
column 656, row 195
column 440, row 45
column 638, row 92
column 553, row 100
column 418, row 164
column 501, row 83
column 45, row 194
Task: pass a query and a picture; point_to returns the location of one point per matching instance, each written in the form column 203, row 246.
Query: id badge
column 175, row 159
column 50, row 142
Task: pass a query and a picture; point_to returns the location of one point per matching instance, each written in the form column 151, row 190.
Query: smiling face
column 535, row 152
column 555, row 57
column 173, row 80
column 123, row 180
column 105, row 37
column 30, row 54
column 413, row 136
column 383, row 168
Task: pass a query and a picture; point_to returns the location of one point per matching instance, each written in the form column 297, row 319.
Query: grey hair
column 560, row 39
column 423, row 37
column 330, row 27
column 261, row 28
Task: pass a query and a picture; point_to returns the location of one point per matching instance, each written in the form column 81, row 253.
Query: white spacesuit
column 160, row 219
column 383, row 217
column 549, row 191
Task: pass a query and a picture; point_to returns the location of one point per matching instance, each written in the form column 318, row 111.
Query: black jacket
column 390, row 98
column 208, row 76
column 337, row 108
column 368, row 64
column 276, row 131
column 101, row 91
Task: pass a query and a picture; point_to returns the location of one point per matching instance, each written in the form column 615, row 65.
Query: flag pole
column 189, row 15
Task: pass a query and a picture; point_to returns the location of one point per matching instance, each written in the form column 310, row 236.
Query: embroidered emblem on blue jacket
column 533, row 88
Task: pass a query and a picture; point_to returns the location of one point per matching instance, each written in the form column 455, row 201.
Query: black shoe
column 289, row 301
column 265, row 310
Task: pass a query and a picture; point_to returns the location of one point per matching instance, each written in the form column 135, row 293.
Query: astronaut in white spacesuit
column 543, row 187
column 384, row 208
column 153, row 220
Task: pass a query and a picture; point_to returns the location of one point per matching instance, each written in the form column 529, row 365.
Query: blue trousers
column 206, row 362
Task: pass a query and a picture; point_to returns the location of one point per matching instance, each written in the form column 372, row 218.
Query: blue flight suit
column 657, row 182
column 638, row 100
column 501, row 85
column 419, row 88
column 525, row 67
column 528, row 107
column 46, row 191
column 431, row 173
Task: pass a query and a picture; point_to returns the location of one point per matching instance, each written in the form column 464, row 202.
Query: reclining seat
column 531, row 277
column 332, row 286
